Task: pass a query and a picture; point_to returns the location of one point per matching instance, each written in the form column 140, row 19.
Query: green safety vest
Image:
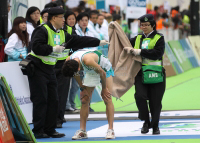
column 41, row 21
column 69, row 29
column 53, row 40
column 186, row 19
column 148, row 43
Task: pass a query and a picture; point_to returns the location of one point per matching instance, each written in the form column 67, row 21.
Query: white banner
column 19, row 8
column 135, row 8
column 72, row 3
column 121, row 3
column 19, row 86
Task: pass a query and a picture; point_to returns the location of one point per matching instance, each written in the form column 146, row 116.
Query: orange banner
column 6, row 135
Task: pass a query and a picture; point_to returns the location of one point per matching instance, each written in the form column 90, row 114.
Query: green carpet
column 141, row 141
column 182, row 93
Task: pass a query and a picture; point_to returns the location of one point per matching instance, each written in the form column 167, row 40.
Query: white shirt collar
column 57, row 31
column 79, row 28
column 93, row 23
column 148, row 34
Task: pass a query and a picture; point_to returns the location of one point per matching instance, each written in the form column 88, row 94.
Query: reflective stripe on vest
column 53, row 40
column 45, row 59
column 151, row 62
column 148, row 43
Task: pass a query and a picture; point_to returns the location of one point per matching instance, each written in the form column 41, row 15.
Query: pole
column 3, row 19
column 194, row 18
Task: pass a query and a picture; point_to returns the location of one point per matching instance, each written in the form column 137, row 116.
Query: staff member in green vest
column 45, row 51
column 150, row 81
column 44, row 15
column 70, row 22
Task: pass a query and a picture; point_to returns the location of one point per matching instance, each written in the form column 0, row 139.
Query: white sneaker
column 110, row 134
column 76, row 111
column 80, row 134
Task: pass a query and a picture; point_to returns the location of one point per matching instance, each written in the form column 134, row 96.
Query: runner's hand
column 106, row 93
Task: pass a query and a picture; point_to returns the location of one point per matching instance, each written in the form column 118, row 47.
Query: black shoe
column 41, row 135
column 156, row 131
column 90, row 109
column 64, row 120
column 58, row 125
column 145, row 128
column 56, row 135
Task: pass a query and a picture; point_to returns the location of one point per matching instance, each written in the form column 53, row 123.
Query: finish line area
column 180, row 117
column 172, row 130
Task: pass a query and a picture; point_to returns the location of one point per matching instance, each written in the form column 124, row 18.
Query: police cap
column 146, row 18
column 56, row 11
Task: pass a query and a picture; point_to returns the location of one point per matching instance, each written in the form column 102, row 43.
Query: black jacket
column 39, row 46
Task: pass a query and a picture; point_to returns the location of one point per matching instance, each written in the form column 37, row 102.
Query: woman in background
column 17, row 40
column 44, row 16
column 32, row 19
column 70, row 22
column 82, row 27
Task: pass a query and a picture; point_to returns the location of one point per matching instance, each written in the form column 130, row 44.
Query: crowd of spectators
column 174, row 19
column 99, row 20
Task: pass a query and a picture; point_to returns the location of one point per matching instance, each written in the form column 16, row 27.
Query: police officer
column 45, row 51
column 150, row 81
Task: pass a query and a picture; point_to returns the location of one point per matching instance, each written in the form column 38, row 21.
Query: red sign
column 6, row 135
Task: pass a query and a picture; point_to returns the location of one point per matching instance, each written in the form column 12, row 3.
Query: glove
column 58, row 49
column 136, row 52
column 103, row 42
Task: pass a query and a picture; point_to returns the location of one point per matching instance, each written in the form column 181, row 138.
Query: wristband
column 82, row 88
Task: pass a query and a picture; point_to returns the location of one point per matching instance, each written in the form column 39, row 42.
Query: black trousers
column 63, row 90
column 43, row 91
column 152, row 92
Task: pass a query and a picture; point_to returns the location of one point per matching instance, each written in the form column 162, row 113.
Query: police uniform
column 43, row 83
column 152, row 50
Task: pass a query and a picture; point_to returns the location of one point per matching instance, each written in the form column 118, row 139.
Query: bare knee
column 85, row 99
